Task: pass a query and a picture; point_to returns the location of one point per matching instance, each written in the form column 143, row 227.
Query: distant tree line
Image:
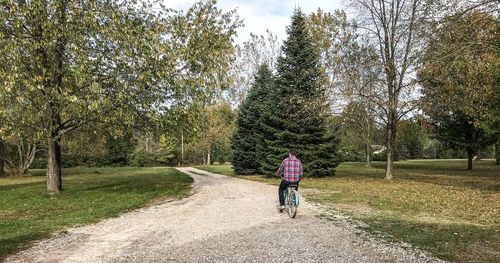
column 129, row 147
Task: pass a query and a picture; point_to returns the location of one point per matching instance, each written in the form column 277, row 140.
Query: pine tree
column 245, row 158
column 269, row 150
column 295, row 115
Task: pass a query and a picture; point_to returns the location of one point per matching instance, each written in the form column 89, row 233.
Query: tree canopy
column 73, row 64
column 459, row 81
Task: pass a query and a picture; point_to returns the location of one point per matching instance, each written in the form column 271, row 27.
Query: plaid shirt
column 292, row 168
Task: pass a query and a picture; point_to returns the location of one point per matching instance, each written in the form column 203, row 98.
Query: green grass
column 220, row 169
column 435, row 205
column 28, row 213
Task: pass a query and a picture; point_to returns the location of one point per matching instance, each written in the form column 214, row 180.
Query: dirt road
column 225, row 220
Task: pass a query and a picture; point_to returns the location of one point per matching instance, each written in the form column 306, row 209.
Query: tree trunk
column 204, row 159
column 368, row 153
column 27, row 157
column 470, row 155
column 368, row 136
column 391, row 141
column 497, row 152
column 208, row 156
column 2, row 161
column 469, row 136
column 54, row 180
column 182, row 147
column 390, row 160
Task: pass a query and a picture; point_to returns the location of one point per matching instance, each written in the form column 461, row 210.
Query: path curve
column 226, row 220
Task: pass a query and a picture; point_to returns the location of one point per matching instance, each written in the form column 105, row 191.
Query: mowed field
column 28, row 213
column 435, row 205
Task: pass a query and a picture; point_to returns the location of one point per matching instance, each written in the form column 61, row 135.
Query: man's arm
column 301, row 172
column 280, row 169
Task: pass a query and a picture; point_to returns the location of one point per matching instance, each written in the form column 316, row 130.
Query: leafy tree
column 221, row 152
column 249, row 57
column 70, row 65
column 95, row 150
column 334, row 36
column 459, row 81
column 217, row 126
column 17, row 147
column 493, row 120
column 154, row 150
column 353, row 80
column 118, row 148
column 295, row 115
column 412, row 137
column 395, row 29
column 245, row 140
column 460, row 132
column 18, row 155
column 357, row 128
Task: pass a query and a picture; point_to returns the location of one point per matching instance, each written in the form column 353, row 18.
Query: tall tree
column 352, row 70
column 394, row 27
column 458, row 79
column 493, row 121
column 360, row 85
column 296, row 113
column 334, row 36
column 247, row 135
column 71, row 64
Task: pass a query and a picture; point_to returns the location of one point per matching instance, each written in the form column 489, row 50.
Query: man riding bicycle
column 292, row 169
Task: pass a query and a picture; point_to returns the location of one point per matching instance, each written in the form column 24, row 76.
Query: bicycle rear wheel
column 292, row 203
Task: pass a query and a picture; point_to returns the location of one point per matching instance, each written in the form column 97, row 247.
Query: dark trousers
column 281, row 190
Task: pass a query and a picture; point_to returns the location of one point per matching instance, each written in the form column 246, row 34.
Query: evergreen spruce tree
column 245, row 159
column 269, row 151
column 297, row 109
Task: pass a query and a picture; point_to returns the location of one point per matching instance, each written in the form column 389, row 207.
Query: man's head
column 293, row 152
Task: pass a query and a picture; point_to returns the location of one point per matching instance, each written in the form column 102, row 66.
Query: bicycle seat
column 293, row 185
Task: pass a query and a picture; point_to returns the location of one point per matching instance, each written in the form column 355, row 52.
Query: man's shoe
column 281, row 208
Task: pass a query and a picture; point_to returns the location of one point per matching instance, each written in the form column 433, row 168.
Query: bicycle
column 291, row 200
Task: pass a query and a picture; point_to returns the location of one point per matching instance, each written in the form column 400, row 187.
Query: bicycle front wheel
column 293, row 198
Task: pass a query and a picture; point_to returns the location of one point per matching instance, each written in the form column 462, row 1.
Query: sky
column 260, row 15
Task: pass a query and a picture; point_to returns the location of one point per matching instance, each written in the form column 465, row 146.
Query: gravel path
column 225, row 220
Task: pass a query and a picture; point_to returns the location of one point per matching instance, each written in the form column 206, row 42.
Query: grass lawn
column 27, row 212
column 220, row 169
column 433, row 204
